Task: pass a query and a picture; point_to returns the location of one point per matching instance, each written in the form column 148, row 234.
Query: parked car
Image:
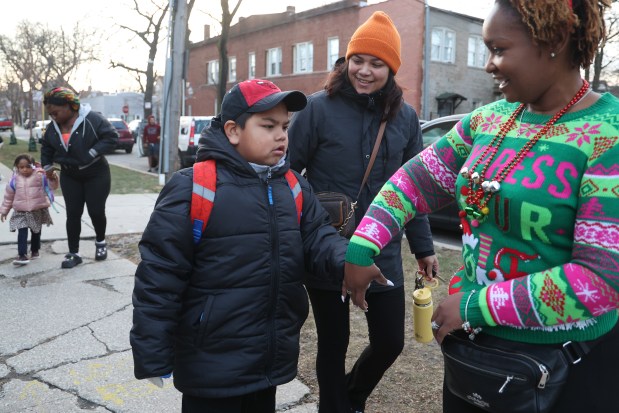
column 29, row 123
column 39, row 129
column 447, row 217
column 133, row 127
column 125, row 138
column 140, row 144
column 190, row 128
column 6, row 124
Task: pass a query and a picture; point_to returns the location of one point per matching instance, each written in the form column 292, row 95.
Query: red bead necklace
column 479, row 195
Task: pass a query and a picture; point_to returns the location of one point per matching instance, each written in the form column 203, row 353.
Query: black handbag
column 341, row 207
column 505, row 376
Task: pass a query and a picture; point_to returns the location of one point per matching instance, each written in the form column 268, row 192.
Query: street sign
column 126, row 109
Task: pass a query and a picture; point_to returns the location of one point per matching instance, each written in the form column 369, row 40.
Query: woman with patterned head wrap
column 77, row 141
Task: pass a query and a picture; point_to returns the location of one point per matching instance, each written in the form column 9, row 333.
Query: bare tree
column 39, row 57
column 151, row 35
column 222, row 46
column 606, row 54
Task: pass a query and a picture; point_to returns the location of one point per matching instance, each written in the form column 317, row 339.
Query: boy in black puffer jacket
column 225, row 314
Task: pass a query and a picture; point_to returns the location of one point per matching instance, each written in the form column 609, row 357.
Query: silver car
column 446, row 218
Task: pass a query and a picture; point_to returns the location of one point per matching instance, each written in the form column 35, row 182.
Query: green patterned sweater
column 545, row 260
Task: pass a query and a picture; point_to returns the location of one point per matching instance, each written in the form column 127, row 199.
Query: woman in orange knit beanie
column 332, row 138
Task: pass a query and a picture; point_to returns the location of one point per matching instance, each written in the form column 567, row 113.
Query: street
column 448, row 239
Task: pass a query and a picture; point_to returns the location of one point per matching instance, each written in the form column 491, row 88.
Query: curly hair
column 546, row 20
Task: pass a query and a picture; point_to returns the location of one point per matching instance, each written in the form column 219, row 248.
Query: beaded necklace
column 479, row 195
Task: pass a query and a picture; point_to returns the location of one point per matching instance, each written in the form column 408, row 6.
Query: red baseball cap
column 256, row 95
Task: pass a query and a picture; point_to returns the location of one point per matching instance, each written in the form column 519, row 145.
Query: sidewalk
column 65, row 333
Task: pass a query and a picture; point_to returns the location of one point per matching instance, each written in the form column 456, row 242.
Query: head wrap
column 62, row 96
column 377, row 37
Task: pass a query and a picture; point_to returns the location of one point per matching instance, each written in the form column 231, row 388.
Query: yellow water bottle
column 422, row 315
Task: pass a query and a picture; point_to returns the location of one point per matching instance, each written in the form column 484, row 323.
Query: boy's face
column 264, row 140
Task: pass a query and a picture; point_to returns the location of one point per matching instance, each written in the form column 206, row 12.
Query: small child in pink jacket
column 29, row 193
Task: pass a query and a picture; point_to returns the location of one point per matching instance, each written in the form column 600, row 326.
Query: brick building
column 297, row 50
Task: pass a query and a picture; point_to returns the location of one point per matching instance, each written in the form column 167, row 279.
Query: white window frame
column 443, row 45
column 212, row 74
column 274, row 62
column 477, row 52
column 232, row 69
column 303, row 57
column 251, row 62
column 333, row 51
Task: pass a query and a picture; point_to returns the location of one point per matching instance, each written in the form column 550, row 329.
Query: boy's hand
column 357, row 280
column 3, row 217
column 158, row 381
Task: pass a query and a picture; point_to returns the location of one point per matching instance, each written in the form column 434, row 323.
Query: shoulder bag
column 499, row 375
column 341, row 207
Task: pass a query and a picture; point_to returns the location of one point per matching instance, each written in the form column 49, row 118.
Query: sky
column 119, row 45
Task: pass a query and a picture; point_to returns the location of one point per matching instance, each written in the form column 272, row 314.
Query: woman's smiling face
column 522, row 68
column 367, row 74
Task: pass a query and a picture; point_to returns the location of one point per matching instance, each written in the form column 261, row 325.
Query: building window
column 251, row 70
column 213, row 72
column 333, row 51
column 303, row 57
column 443, row 45
column 232, row 69
column 274, row 61
column 477, row 53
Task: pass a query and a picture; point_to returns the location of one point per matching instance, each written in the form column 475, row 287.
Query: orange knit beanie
column 377, row 37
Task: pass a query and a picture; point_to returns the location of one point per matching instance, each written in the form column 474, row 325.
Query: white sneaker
column 21, row 260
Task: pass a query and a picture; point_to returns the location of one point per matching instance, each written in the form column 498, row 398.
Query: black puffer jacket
column 333, row 138
column 92, row 137
column 225, row 315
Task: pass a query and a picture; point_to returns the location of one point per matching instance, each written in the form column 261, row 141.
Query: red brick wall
column 407, row 15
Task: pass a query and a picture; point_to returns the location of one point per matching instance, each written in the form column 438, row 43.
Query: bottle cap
column 422, row 296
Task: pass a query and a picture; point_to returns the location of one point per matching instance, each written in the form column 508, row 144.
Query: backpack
column 203, row 195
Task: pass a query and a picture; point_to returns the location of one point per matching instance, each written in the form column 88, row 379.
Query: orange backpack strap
column 203, row 195
column 297, row 193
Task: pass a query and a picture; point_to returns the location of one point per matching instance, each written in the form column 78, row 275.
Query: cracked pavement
column 64, row 333
column 64, row 345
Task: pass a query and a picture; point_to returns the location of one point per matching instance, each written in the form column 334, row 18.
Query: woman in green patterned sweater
column 536, row 179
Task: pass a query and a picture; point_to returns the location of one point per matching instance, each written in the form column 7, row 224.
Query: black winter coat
column 225, row 315
column 333, row 137
column 92, row 137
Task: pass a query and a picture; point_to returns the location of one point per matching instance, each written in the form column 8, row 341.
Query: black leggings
column 338, row 391
column 590, row 388
column 90, row 186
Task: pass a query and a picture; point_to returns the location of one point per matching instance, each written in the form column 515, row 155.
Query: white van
column 189, row 131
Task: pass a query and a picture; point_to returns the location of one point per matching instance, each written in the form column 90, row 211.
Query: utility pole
column 173, row 85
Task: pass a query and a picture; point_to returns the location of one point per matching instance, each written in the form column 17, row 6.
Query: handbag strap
column 379, row 137
column 575, row 351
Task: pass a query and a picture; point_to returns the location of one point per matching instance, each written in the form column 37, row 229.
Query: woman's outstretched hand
column 357, row 279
